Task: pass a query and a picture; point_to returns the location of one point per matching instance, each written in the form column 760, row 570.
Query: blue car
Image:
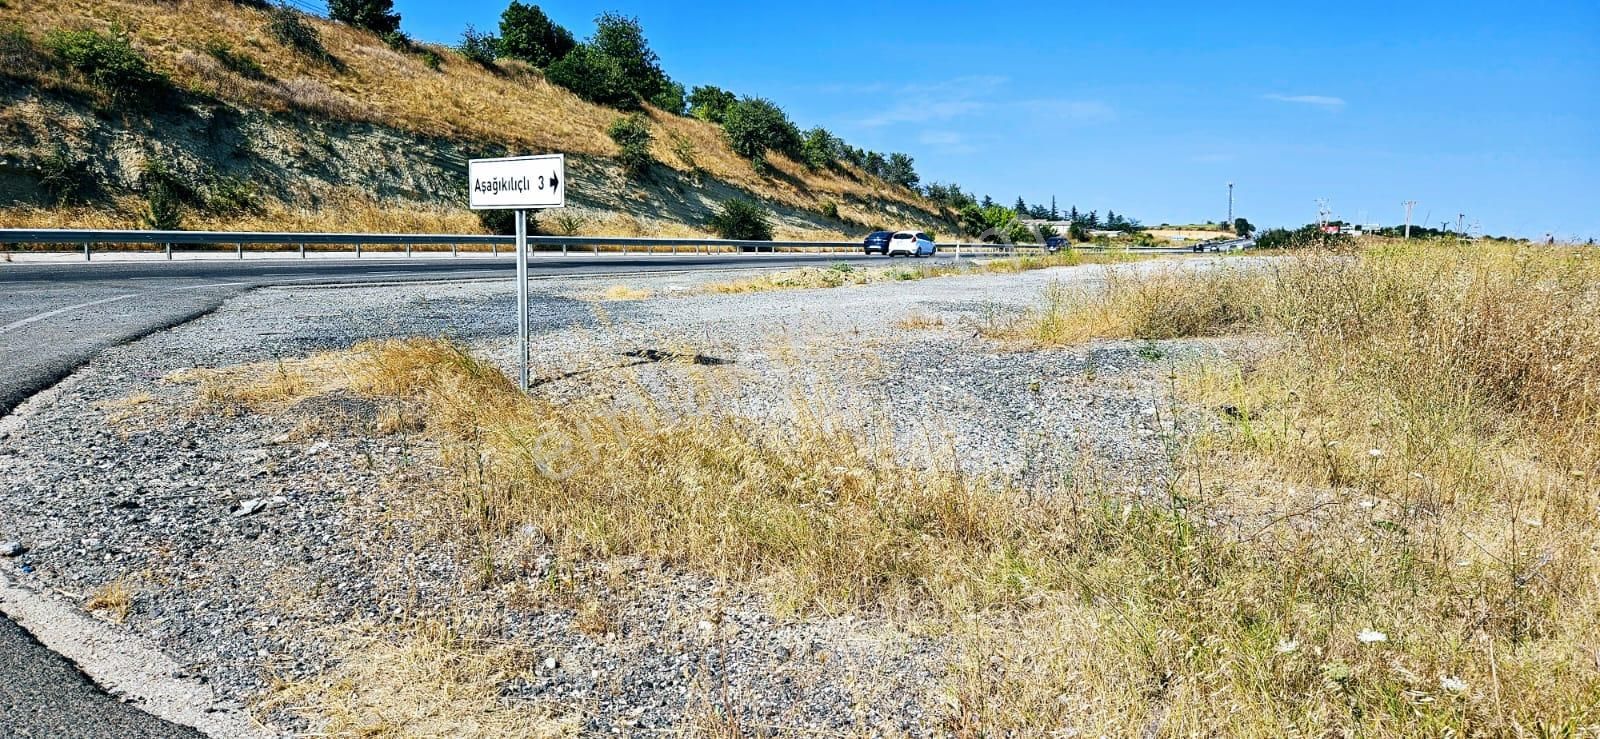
column 877, row 241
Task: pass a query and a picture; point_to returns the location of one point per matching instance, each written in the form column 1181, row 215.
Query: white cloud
column 943, row 100
column 1321, row 101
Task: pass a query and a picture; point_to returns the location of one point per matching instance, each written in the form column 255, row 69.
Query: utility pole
column 1409, row 204
column 1459, row 218
column 1230, row 203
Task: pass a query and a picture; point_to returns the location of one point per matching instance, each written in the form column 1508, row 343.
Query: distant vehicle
column 912, row 244
column 1057, row 243
column 877, row 241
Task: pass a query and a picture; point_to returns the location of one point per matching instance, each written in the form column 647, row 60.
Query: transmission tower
column 1409, row 204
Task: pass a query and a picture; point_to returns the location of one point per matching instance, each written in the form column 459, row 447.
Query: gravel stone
column 254, row 539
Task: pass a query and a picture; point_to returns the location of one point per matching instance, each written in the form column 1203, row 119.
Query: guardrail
column 86, row 240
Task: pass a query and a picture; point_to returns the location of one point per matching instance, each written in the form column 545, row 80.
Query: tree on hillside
column 479, row 47
column 1055, row 215
column 377, row 16
column 874, row 164
column 987, row 201
column 528, row 34
column 593, row 76
column 755, row 126
column 1072, row 215
column 1021, row 208
column 622, row 38
column 1111, row 219
column 710, row 103
column 820, row 148
column 1242, row 227
column 901, row 170
column 1092, row 220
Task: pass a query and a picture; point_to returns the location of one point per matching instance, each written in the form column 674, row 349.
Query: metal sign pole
column 522, row 297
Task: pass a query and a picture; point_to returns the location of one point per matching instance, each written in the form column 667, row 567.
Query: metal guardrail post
column 408, row 250
column 86, row 256
column 239, row 249
column 624, row 250
column 302, row 250
column 494, row 249
column 169, row 251
column 358, row 250
column 597, row 250
column 563, row 250
column 454, row 249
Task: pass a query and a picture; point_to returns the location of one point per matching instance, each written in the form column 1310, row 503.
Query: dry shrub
column 625, row 292
column 429, row 679
column 1155, row 304
column 114, row 598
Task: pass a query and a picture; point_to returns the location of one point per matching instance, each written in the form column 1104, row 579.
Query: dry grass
column 919, row 321
column 431, row 679
column 1243, row 598
column 1417, row 460
column 114, row 598
column 1143, row 304
column 625, row 292
column 373, row 83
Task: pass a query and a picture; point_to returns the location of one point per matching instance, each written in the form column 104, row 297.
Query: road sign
column 519, row 183
column 515, row 183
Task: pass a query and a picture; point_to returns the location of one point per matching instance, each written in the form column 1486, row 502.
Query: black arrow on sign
column 555, row 182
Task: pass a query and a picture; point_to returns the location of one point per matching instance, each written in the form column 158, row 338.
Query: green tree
column 622, row 38
column 528, row 34
column 1242, row 227
column 1055, row 215
column 820, row 148
column 875, row 164
column 901, row 170
column 670, row 98
column 755, row 126
column 478, row 47
column 377, row 16
column 709, row 103
column 1021, row 208
column 593, row 76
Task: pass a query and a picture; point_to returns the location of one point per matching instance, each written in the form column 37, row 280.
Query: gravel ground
column 247, row 543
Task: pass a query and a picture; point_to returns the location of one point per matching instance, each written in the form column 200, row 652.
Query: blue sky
column 1486, row 108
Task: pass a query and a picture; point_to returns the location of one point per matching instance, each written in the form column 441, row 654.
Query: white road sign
column 515, row 183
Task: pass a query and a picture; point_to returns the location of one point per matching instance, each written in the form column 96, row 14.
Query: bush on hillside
column 593, row 76
column 377, row 16
column 163, row 194
column 1307, row 236
column 478, row 47
column 820, row 148
column 237, row 62
column 285, row 25
column 61, row 176
column 742, row 220
column 502, row 222
column 107, row 61
column 671, row 98
column 632, row 135
column 709, row 103
column 755, row 126
column 528, row 34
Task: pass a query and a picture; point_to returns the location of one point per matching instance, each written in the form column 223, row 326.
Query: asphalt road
column 54, row 317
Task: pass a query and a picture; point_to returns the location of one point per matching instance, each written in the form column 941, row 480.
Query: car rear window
column 902, row 236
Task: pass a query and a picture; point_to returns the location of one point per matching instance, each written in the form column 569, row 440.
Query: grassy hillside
column 221, row 59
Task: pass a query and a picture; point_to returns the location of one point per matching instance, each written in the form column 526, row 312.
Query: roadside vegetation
column 1383, row 522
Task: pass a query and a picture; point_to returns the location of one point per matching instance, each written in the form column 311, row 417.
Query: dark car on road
column 877, row 242
column 1057, row 243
